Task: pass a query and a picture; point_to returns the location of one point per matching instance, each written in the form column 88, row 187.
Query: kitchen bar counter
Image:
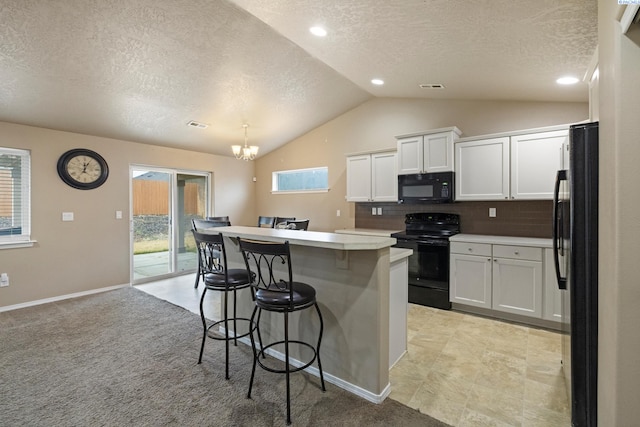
column 351, row 275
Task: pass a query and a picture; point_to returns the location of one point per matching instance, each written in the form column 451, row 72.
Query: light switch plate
column 67, row 216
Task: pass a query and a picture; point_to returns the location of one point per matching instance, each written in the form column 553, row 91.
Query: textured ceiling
column 140, row 70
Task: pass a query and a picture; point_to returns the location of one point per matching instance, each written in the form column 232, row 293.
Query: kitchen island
column 351, row 276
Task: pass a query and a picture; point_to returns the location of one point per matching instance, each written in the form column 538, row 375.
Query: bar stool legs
column 287, row 369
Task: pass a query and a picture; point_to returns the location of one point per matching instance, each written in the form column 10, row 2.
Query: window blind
column 15, row 195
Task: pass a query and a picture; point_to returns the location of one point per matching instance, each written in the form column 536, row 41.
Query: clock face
column 83, row 169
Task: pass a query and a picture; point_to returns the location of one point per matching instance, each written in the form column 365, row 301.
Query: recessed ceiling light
column 318, row 31
column 567, row 80
column 378, row 82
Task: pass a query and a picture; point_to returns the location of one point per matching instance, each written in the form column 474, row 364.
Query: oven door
column 428, row 271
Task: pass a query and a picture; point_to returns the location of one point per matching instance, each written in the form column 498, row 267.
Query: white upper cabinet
column 535, row 161
column 372, row 177
column 482, row 169
column 359, row 178
column 519, row 166
column 427, row 152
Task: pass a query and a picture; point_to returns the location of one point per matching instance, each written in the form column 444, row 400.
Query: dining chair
column 300, row 224
column 281, row 221
column 218, row 218
column 274, row 290
column 266, row 221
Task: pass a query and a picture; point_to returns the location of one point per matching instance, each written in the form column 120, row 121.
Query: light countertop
column 346, row 242
column 502, row 240
column 398, row 254
column 367, row 231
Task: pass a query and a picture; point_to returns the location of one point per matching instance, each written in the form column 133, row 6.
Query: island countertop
column 318, row 239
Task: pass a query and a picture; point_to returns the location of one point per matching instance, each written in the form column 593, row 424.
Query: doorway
column 163, row 202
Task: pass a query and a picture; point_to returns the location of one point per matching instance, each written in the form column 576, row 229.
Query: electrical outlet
column 67, row 216
column 379, row 211
column 118, row 214
column 373, row 211
column 492, row 212
column 4, row 280
column 338, row 212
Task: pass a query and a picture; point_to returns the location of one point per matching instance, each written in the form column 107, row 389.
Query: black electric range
column 427, row 233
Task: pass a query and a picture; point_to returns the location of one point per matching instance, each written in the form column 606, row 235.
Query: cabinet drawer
column 483, row 249
column 517, row 252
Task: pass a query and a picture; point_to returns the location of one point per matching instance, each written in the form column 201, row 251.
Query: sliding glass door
column 163, row 202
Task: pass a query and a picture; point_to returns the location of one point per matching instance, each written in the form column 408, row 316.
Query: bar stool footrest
column 210, row 334
column 291, row 370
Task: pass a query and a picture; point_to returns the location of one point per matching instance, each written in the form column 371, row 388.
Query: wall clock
column 83, row 169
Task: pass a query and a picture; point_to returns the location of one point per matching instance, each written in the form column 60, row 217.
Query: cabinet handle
column 495, row 260
column 517, row 253
column 470, row 250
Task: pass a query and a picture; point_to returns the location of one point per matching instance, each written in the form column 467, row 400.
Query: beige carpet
column 127, row 358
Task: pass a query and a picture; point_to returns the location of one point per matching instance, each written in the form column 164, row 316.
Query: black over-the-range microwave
column 426, row 188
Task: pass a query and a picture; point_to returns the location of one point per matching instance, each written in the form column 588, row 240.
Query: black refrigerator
column 575, row 243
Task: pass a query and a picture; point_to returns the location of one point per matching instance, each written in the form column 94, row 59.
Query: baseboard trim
column 339, row 382
column 61, row 297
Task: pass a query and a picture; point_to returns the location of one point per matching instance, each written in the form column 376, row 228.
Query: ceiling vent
column 431, row 86
column 198, row 125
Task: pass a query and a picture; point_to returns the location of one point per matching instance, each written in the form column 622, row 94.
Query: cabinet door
column 384, row 178
column 410, row 155
column 535, row 159
column 482, row 169
column 552, row 308
column 517, row 286
column 437, row 152
column 470, row 280
column 359, row 178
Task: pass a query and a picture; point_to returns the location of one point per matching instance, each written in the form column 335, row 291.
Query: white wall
column 619, row 234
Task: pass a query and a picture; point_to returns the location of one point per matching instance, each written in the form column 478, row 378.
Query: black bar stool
column 202, row 224
column 274, row 290
column 217, row 277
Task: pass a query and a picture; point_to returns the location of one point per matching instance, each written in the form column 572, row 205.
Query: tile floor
column 462, row 369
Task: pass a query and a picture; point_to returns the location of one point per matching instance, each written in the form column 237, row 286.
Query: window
column 301, row 180
column 15, row 206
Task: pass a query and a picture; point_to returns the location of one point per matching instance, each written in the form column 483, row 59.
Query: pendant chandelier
column 247, row 152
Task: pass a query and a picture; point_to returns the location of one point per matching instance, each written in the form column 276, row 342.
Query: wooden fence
column 152, row 198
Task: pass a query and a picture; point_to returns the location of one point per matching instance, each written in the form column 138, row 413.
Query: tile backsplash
column 532, row 218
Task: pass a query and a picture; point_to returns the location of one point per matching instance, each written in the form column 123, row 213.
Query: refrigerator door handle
column 558, row 243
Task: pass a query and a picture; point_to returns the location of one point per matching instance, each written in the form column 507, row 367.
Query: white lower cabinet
column 470, row 274
column 517, row 280
column 498, row 277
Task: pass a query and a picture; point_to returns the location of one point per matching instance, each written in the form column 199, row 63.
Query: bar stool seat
column 303, row 296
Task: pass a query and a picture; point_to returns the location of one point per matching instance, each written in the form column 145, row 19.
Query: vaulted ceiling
column 140, row 70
